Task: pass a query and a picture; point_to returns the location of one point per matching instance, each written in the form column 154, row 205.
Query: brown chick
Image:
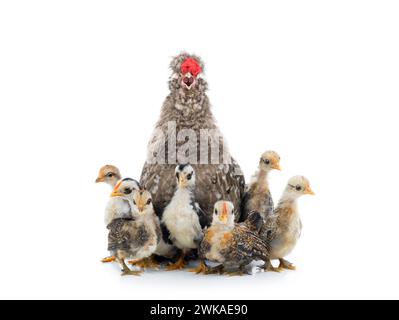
column 135, row 238
column 109, row 174
column 232, row 245
column 258, row 197
column 283, row 229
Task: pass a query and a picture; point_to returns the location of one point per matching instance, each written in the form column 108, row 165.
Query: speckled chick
column 116, row 206
column 258, row 197
column 134, row 238
column 283, row 229
column 183, row 217
column 232, row 245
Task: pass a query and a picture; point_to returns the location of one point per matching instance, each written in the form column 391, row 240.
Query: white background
column 82, row 83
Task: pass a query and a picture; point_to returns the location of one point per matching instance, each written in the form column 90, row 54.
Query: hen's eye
column 298, row 188
column 189, row 176
column 149, row 201
column 127, row 191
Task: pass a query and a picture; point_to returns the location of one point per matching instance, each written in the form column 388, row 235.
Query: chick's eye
column 298, row 188
column 149, row 201
column 267, row 161
column 216, row 211
column 189, row 176
column 134, row 202
column 109, row 175
column 177, row 175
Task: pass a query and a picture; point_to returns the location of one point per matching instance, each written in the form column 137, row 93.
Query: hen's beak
column 188, row 80
column 309, row 191
column 224, row 214
column 116, row 193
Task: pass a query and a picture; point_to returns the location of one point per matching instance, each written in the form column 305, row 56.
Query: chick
column 231, row 244
column 283, row 229
column 109, row 174
column 183, row 217
column 137, row 237
column 117, row 207
column 257, row 197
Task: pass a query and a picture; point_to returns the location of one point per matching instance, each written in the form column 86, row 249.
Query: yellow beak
column 277, row 167
column 141, row 205
column 224, row 214
column 310, row 191
column 182, row 182
column 116, row 194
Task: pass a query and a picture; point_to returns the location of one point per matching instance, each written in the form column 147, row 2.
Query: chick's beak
column 141, row 205
column 224, row 214
column 182, row 181
column 277, row 166
column 99, row 179
column 310, row 191
column 116, row 193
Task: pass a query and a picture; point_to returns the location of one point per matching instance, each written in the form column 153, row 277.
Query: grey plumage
column 127, row 235
column 254, row 222
column 259, row 202
column 190, row 109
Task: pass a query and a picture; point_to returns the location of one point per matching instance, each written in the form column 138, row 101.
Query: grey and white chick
column 258, row 197
column 119, row 207
column 183, row 217
column 282, row 230
column 135, row 238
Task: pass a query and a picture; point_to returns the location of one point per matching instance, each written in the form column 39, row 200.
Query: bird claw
column 273, row 269
column 235, row 273
column 284, row 264
column 202, row 268
column 148, row 263
column 108, row 259
column 131, row 273
column 179, row 265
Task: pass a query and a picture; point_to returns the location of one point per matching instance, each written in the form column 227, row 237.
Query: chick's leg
column 179, row 264
column 284, row 264
column 269, row 267
column 215, row 270
column 240, row 272
column 108, row 259
column 147, row 263
column 126, row 270
column 202, row 268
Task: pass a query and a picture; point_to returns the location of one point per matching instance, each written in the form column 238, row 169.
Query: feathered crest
column 177, row 61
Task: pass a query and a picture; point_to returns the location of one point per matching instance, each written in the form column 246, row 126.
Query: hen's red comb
column 191, row 65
